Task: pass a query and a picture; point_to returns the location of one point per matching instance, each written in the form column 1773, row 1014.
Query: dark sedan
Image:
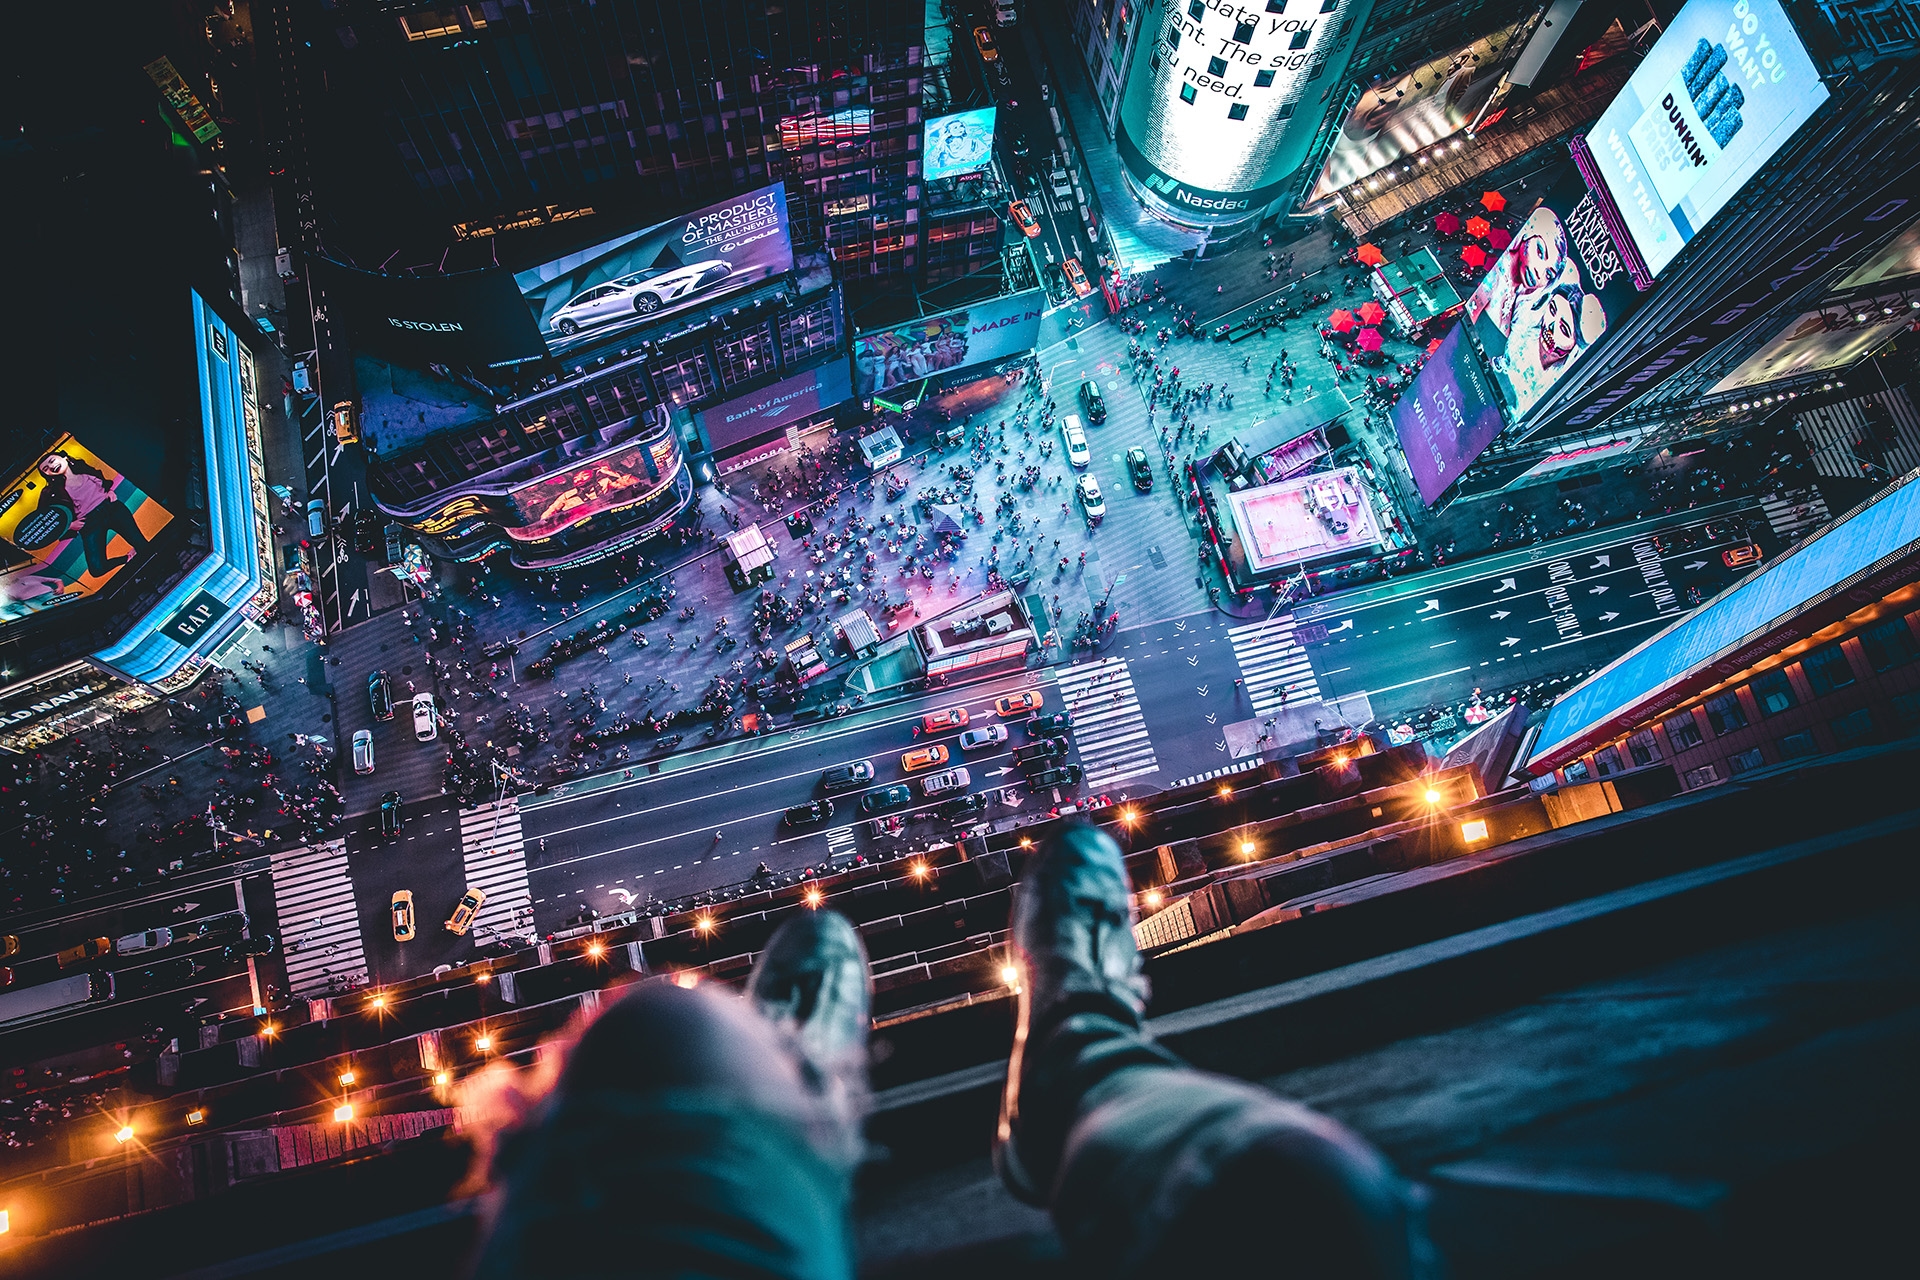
column 810, row 814
column 1057, row 725
column 1039, row 753
column 886, row 798
column 1065, row 776
column 1139, row 469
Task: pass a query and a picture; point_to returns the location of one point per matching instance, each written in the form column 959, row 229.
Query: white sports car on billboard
column 641, row 293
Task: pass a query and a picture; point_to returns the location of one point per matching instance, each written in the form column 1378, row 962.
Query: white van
column 1075, row 436
column 1004, row 14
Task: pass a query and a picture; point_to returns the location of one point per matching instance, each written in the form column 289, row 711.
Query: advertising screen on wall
column 1717, row 96
column 1557, row 290
column 787, row 401
column 1403, row 115
column 1446, row 417
column 1898, row 259
column 585, row 489
column 68, row 523
column 1817, row 342
column 470, row 318
column 602, row 291
column 958, row 144
column 976, row 335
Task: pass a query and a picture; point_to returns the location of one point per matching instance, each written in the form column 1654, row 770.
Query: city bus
column 69, row 992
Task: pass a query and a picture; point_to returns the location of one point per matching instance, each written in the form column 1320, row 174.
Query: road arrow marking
column 1596, row 591
column 998, row 773
column 1509, row 641
column 1202, row 688
column 1507, row 584
column 1213, row 717
column 1501, row 614
column 1220, row 745
column 1179, row 628
column 1601, row 562
column 1345, row 626
column 184, row 907
column 1697, row 564
column 1193, row 660
column 1431, row 606
column 1608, row 617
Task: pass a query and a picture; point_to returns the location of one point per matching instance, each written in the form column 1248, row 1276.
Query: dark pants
column 97, row 529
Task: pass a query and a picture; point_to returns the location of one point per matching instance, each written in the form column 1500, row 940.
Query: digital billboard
column 468, row 318
column 1405, row 114
column 786, row 401
column 1551, row 295
column 975, row 335
column 68, row 523
column 603, row 291
column 957, row 144
column 1898, row 259
column 582, row 490
column 1717, row 96
column 1446, row 417
column 1817, row 342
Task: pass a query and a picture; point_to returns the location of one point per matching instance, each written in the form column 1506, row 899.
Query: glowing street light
column 483, row 1043
column 346, row 1079
column 815, row 897
column 124, row 1133
column 343, row 1113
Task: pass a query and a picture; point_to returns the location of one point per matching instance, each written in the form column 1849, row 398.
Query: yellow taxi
column 1077, row 277
column 464, row 910
column 403, row 915
column 1022, row 214
column 1018, row 704
column 940, row 721
column 923, row 758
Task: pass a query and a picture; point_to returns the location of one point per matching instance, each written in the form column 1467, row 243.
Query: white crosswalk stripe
column 1275, row 669
column 1795, row 514
column 495, row 854
column 313, row 897
column 1238, row 766
column 839, row 841
column 1109, row 731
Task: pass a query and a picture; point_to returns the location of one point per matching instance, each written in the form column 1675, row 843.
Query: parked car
column 1057, row 725
column 845, row 777
column 809, row 814
column 1019, row 704
column 1065, row 776
column 262, row 945
column 941, row 721
column 6, row 977
column 134, row 943
column 983, row 41
column 987, row 736
column 1022, row 214
column 81, row 952
column 380, row 695
column 9, row 945
column 464, row 911
column 1094, row 403
column 1076, row 277
column 1092, row 501
column 426, row 721
column 962, row 807
column 391, row 817
column 923, row 758
column 363, row 751
column 1139, row 469
column 229, row 924
column 154, row 978
column 946, row 780
column 1039, row 754
column 1076, row 437
column 316, row 519
column 403, row 915
column 367, row 536
column 886, row 798
column 345, row 429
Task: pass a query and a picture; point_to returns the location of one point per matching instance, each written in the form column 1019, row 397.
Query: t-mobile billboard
column 1446, row 417
column 977, row 335
column 638, row 278
column 1555, row 292
column 1718, row 95
column 469, row 318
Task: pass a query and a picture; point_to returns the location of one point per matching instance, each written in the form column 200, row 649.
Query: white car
column 426, row 721
column 152, row 940
column 363, row 751
column 946, row 780
column 1076, row 437
column 641, row 293
column 1091, row 500
column 974, row 739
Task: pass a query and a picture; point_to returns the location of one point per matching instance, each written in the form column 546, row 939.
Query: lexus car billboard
column 976, row 335
column 1402, row 115
column 1555, row 292
column 1819, row 341
column 959, row 144
column 468, row 318
column 67, row 525
column 1717, row 96
column 1446, row 417
column 635, row 279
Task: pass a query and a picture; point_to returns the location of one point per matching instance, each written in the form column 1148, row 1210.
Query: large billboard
column 469, row 318
column 958, row 144
column 1446, row 417
column 1551, row 295
column 585, row 489
column 68, row 523
column 1898, row 259
column 1817, row 342
column 787, row 401
column 976, row 335
column 1717, row 96
column 1409, row 113
column 600, row 292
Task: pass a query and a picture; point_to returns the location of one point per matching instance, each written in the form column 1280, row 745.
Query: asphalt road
column 427, row 857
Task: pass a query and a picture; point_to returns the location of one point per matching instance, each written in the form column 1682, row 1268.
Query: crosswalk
column 494, row 852
column 1108, row 729
column 1275, row 669
column 1795, row 514
column 313, row 898
column 1224, row 771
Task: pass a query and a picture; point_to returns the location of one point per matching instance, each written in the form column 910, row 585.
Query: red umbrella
column 1499, row 238
column 1478, row 226
column 1474, row 255
column 1447, row 223
column 1342, row 320
column 1493, row 200
column 1370, row 254
column 1371, row 312
column 1369, row 339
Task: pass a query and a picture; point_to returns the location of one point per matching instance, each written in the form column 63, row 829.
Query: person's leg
column 1140, row 1158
